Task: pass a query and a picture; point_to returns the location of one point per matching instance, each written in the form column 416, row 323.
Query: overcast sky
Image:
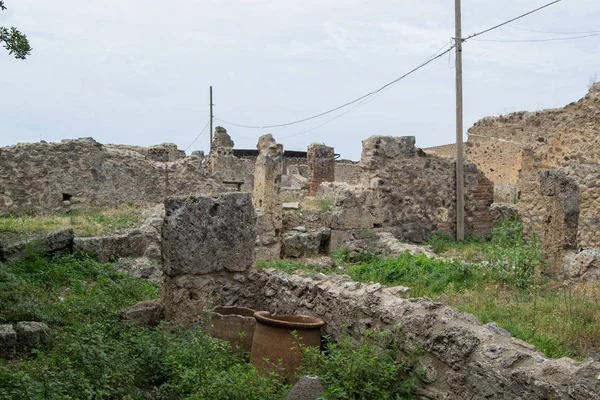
column 138, row 71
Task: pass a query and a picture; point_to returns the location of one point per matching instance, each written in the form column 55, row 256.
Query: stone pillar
column 207, row 245
column 558, row 231
column 321, row 166
column 265, row 197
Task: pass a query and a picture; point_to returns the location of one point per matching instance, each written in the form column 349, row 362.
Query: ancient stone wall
column 346, row 171
column 208, row 247
column 442, row 151
column 321, row 166
column 404, row 191
column 223, row 166
column 73, row 174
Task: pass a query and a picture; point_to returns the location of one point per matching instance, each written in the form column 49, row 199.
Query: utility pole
column 211, row 121
column 460, row 179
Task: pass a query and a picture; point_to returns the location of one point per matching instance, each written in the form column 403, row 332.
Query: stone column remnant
column 265, row 197
column 207, row 243
column 321, row 166
column 560, row 195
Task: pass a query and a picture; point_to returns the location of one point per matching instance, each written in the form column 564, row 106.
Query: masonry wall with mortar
column 78, row 174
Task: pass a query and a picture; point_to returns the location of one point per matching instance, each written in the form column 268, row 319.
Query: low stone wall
column 462, row 358
column 76, row 174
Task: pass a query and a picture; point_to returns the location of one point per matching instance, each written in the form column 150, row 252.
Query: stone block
column 187, row 298
column 307, row 388
column 208, row 234
column 31, row 334
column 61, row 239
column 145, row 313
column 8, row 342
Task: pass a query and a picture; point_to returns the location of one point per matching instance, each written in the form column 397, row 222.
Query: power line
column 198, row 137
column 428, row 61
column 537, row 40
column 369, row 99
column 553, row 33
column 511, row 20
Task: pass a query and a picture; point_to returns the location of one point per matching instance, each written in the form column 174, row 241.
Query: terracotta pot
column 273, row 340
column 227, row 322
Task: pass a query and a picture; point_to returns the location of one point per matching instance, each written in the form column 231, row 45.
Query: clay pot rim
column 287, row 321
column 234, row 311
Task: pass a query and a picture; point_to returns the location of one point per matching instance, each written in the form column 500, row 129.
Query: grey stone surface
column 8, row 342
column 59, row 240
column 31, row 334
column 108, row 248
column 208, row 234
column 82, row 173
column 307, row 388
column 291, row 205
column 306, row 244
column 145, row 313
column 504, row 211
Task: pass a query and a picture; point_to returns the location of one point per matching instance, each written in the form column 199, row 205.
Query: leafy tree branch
column 13, row 40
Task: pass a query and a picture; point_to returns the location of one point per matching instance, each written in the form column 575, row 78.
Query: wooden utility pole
column 211, row 120
column 460, row 179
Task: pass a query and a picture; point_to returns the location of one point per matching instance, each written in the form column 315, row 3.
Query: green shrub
column 370, row 370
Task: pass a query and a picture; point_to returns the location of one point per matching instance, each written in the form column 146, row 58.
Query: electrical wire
column 382, row 88
column 552, row 33
column 536, row 40
column 435, row 56
column 510, row 20
column 198, row 137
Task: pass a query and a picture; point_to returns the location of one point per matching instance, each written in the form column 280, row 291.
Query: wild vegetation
column 503, row 279
column 93, row 354
column 94, row 222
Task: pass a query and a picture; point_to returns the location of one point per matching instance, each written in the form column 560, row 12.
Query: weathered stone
column 500, row 211
column 109, row 248
column 187, row 297
column 307, row 388
column 59, row 240
column 82, row 173
column 321, row 263
column 265, row 197
column 8, row 342
column 208, row 234
column 145, row 313
column 584, row 265
column 31, row 334
column 140, row 268
column 291, row 206
column 298, row 244
column 321, row 166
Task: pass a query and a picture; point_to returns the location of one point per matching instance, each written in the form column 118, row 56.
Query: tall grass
column 95, row 222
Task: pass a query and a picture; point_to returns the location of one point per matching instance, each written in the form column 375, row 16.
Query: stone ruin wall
column 208, row 245
column 74, row 174
column 404, row 191
column 514, row 150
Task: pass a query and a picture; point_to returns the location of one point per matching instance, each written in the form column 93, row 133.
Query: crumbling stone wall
column 346, row 171
column 208, row 247
column 222, row 165
column 402, row 190
column 57, row 177
column 265, row 197
column 321, row 166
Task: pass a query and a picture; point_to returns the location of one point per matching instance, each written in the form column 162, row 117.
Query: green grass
column 502, row 280
column 84, row 223
column 93, row 354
